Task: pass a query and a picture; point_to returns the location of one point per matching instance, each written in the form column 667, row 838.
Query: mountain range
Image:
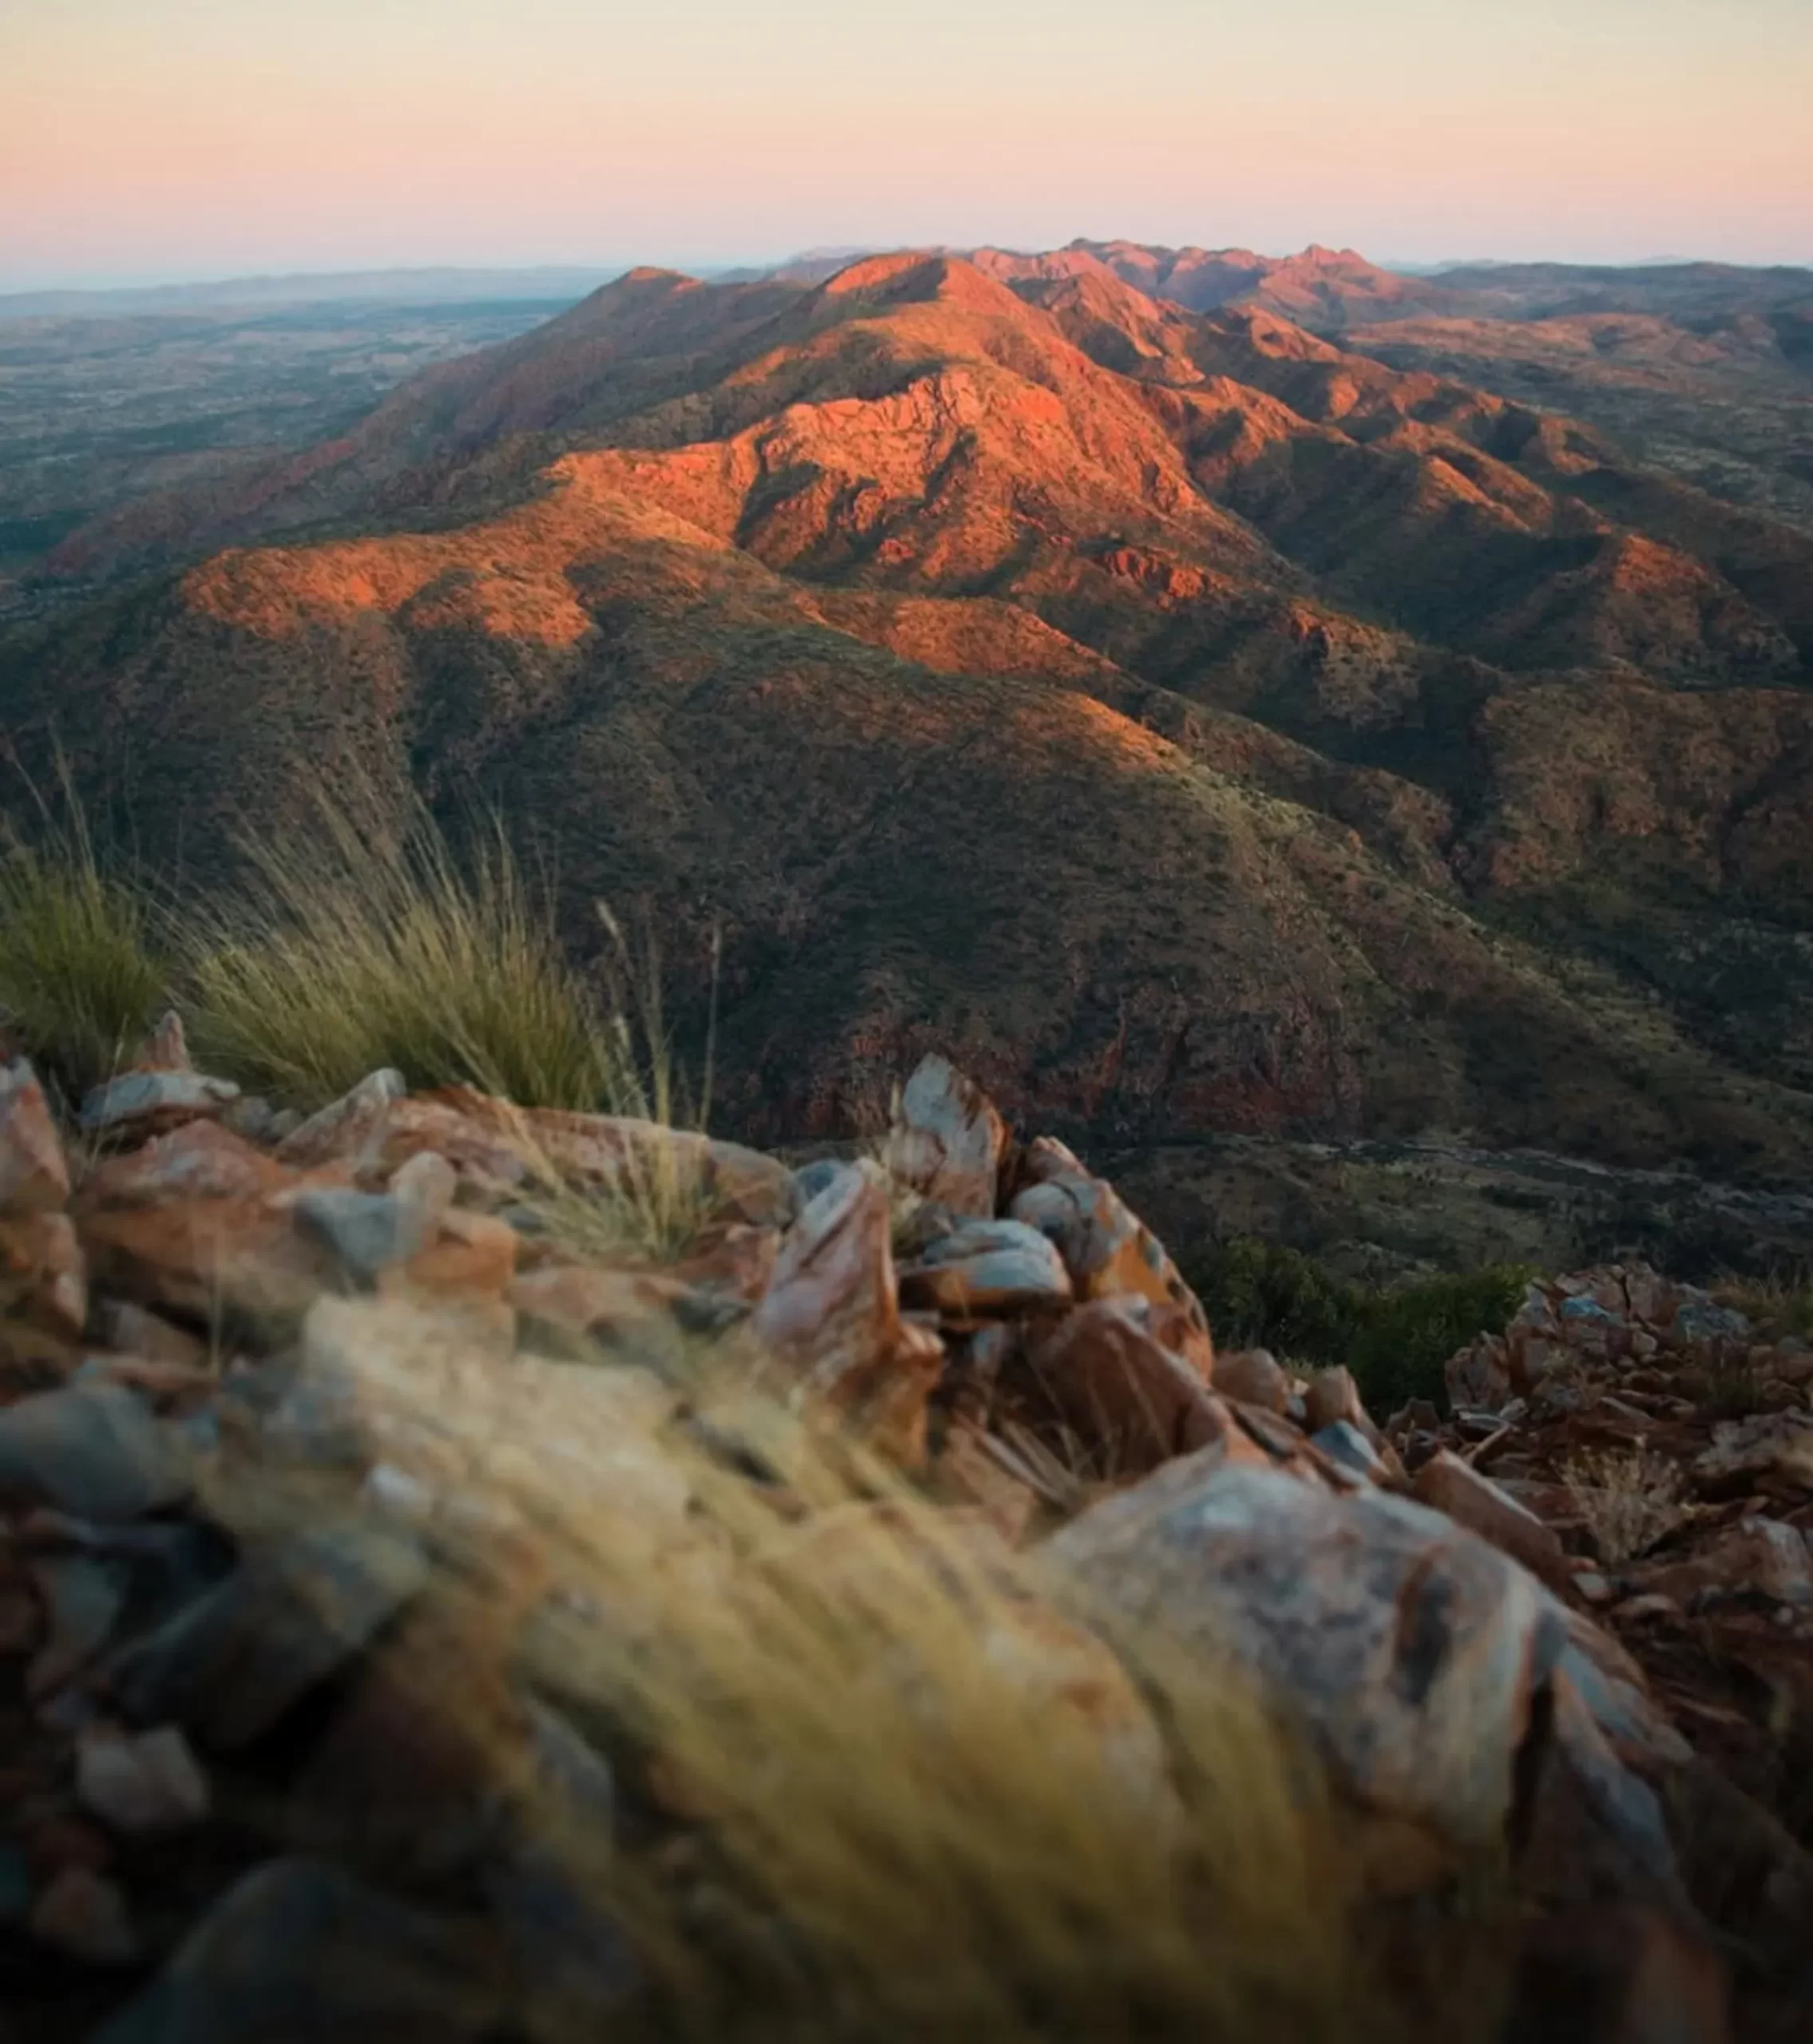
column 1174, row 683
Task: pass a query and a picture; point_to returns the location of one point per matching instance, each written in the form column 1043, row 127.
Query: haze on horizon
column 151, row 141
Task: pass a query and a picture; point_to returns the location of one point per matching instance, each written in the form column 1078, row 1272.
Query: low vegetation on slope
column 366, row 937
column 1394, row 1340
column 1159, row 709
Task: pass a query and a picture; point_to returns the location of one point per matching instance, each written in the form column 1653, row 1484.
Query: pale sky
column 146, row 141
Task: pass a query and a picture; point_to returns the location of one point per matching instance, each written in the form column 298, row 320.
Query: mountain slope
column 1723, row 400
column 1191, row 725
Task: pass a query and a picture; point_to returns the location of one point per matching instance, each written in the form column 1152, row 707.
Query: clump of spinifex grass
column 881, row 1790
column 1630, row 1499
column 81, row 968
column 1779, row 1306
column 661, row 1194
column 367, row 940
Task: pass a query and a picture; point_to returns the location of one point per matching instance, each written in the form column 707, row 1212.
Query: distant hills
column 1101, row 663
column 1337, row 282
column 424, row 287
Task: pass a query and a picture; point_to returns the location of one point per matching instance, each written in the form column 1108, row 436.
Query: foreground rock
column 1664, row 1446
column 142, row 1104
column 231, row 1665
column 987, row 1270
column 947, row 1142
column 93, row 1449
column 1114, row 1381
column 147, row 1783
column 299, row 1952
column 831, row 1316
column 612, row 1153
column 1108, row 1251
column 454, row 1442
column 1413, row 1650
column 34, row 1173
column 346, row 1126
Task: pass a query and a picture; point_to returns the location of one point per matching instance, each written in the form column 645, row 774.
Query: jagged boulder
column 1412, row 1649
column 1106, row 1247
column 34, row 1172
column 947, row 1142
column 830, row 1319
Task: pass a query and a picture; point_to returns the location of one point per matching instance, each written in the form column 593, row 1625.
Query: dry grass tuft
column 1729, row 1386
column 662, row 1195
column 81, row 969
column 876, row 1788
column 655, row 1208
column 1779, row 1306
column 1629, row 1497
column 369, row 941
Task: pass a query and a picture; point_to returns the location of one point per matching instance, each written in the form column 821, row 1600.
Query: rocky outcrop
column 1660, row 1447
column 1493, row 1630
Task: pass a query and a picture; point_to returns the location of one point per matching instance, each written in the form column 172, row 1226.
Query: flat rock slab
column 152, row 1099
column 987, row 1268
column 90, row 1449
column 1408, row 1647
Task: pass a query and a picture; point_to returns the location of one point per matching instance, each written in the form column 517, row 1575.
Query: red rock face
column 1162, row 709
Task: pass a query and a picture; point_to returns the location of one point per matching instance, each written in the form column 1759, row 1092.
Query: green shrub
column 1261, row 1295
column 1408, row 1332
column 1394, row 1339
column 369, row 942
column 81, row 973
